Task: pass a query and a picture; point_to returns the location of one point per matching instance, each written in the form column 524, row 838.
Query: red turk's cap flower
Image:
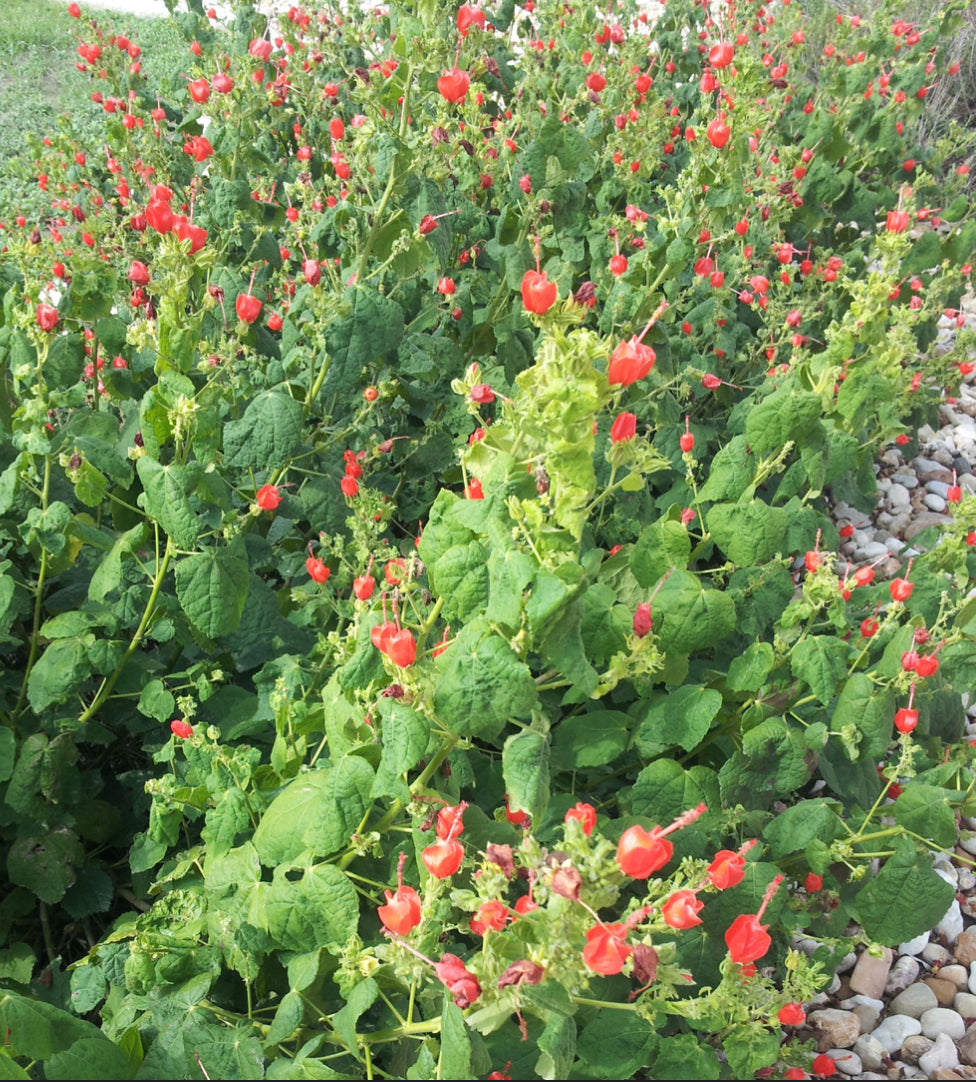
column 624, row 428
column 181, row 729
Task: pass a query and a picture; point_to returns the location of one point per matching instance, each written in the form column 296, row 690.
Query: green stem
column 38, row 603
column 398, row 805
column 162, row 566
column 390, row 184
column 584, row 1002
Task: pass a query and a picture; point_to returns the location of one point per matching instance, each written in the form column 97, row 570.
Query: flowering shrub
column 436, row 413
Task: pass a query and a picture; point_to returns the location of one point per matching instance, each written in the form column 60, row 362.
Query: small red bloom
column 491, row 916
column 606, row 948
column 728, row 869
column 538, row 293
column 401, row 913
column 629, row 362
column 458, row 980
column 181, row 729
column 584, row 814
column 640, row 854
column 268, row 497
column 813, row 883
column 747, row 939
column 791, row 1014
column 443, row 858
column 680, row 910
column 624, row 428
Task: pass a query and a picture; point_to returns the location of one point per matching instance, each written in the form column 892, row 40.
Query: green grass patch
column 44, row 94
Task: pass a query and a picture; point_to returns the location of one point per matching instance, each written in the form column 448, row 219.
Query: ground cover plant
column 425, row 649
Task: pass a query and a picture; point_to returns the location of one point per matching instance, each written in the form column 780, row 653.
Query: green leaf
column 774, row 761
column 681, row 718
column 731, row 472
column 525, row 767
column 557, row 1045
column 455, row 1058
column 750, row 1050
column 780, row 417
column 166, row 498
column 321, row 909
column 509, row 573
column 748, row 533
column 663, row 545
column 370, row 333
column 287, row 1020
column 45, row 863
column 90, row 1057
column 358, row 1001
column 8, row 753
column 17, row 963
column 663, row 790
column 614, row 1047
column 108, row 575
column 88, row 988
column 268, row 433
column 460, row 576
column 40, row 1030
column 337, row 816
column 405, row 735
column 483, row 683
column 928, row 811
column 225, row 820
column 821, row 661
column 796, row 827
column 590, row 739
column 156, row 702
column 867, row 713
column 748, row 672
column 212, row 588
column 904, row 899
column 694, row 619
column 58, row 671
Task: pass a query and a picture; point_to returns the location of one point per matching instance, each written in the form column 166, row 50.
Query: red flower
column 538, row 293
column 443, row 858
column 349, row 486
column 642, row 620
column 467, row 17
column 823, row 1066
column 47, row 317
column 458, row 980
column 268, row 497
column 449, row 823
column 792, row 1014
column 402, row 910
column 629, row 362
column 401, row 648
column 606, row 948
column 454, row 84
column 680, row 910
column 491, row 916
column 813, row 883
column 624, row 428
column 584, row 814
column 640, row 854
column 316, row 568
column 747, row 939
column 248, row 307
column 728, row 869
column 181, row 729
column 516, row 817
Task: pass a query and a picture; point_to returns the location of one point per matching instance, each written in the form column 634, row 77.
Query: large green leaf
column 482, row 684
column 677, row 719
column 864, row 713
column 904, row 899
column 319, row 909
column 166, row 498
column 212, row 587
column 267, row 434
column 748, row 533
column 525, row 766
column 821, row 661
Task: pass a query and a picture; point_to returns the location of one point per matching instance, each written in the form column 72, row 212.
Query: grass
column 38, row 43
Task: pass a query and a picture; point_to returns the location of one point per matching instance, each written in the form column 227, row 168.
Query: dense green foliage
column 420, row 410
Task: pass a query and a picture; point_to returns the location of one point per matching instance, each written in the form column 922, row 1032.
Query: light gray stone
column 914, row 1001
column 933, row 502
column 935, row 954
column 847, row 1062
column 942, row 1020
column 965, row 1004
column 941, row 1056
column 951, row 925
column 903, row 973
column 914, row 946
column 899, row 496
column 955, row 973
column 871, row 1051
column 869, row 1016
column 937, row 488
column 895, row 1030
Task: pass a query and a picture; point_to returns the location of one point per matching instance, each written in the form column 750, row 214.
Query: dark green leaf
column 680, row 718
column 212, row 588
column 904, row 899
column 267, row 434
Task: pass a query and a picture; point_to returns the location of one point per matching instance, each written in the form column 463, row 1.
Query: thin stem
column 162, row 566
